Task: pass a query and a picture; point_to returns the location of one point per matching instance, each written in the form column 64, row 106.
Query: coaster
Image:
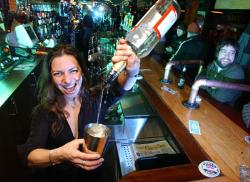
column 209, row 169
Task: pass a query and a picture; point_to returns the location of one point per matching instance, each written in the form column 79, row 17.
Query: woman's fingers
column 123, row 47
column 88, row 156
column 123, row 52
column 126, row 52
column 88, row 168
column 71, row 151
column 122, row 41
column 89, row 164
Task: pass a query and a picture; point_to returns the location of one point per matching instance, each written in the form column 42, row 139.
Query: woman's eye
column 57, row 74
column 74, row 71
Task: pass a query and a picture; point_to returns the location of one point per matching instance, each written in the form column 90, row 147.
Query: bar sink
column 144, row 141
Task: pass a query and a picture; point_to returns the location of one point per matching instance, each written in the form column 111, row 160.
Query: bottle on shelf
column 181, row 81
column 150, row 29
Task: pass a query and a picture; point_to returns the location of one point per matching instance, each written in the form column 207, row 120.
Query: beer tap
column 182, row 62
column 191, row 102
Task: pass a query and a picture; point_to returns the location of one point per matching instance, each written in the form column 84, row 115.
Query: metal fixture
column 182, row 62
column 191, row 103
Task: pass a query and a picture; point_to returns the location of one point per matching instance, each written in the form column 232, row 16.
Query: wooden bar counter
column 221, row 140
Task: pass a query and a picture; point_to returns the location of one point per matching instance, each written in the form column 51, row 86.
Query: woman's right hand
column 70, row 152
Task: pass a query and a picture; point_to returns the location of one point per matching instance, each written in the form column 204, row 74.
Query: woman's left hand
column 125, row 53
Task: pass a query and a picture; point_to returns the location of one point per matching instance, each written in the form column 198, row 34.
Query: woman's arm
column 36, row 153
column 69, row 152
column 39, row 158
column 124, row 53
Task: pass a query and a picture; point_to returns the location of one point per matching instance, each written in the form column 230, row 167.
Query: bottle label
column 166, row 21
column 155, row 22
column 149, row 18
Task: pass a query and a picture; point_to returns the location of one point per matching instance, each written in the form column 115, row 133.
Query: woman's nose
column 66, row 78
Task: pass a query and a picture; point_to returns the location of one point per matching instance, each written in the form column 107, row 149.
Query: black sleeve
column 38, row 132
column 114, row 93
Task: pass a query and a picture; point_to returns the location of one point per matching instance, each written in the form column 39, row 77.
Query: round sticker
column 209, row 169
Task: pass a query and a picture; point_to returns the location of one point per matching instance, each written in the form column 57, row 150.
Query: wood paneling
column 12, row 5
column 191, row 10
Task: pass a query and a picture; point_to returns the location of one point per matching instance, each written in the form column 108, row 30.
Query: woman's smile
column 70, row 89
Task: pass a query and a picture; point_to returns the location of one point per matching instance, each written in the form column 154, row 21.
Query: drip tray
column 126, row 158
column 129, row 162
column 146, row 143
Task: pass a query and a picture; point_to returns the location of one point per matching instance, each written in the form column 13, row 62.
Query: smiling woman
column 66, row 107
column 67, row 77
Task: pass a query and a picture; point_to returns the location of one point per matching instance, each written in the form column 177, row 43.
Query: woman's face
column 67, row 75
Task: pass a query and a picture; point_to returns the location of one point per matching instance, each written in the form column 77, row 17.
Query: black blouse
column 41, row 134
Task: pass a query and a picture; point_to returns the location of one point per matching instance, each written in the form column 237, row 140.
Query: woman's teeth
column 70, row 89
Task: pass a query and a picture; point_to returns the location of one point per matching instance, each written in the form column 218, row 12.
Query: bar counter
column 16, row 75
column 221, row 140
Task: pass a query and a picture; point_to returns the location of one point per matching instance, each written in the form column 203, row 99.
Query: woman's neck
column 72, row 108
column 73, row 102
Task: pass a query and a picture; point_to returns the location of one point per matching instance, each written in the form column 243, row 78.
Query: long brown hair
column 50, row 97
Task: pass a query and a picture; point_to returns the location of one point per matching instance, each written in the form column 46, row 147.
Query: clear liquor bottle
column 153, row 26
column 148, row 31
